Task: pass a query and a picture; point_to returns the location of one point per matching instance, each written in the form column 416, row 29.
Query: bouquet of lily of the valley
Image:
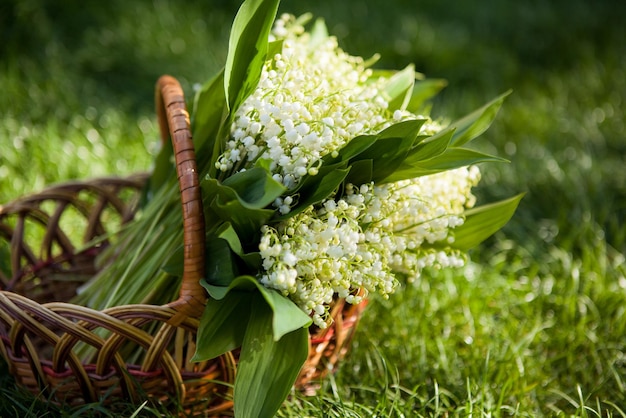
column 322, row 179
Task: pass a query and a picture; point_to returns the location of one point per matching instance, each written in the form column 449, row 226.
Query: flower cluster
column 356, row 244
column 311, row 100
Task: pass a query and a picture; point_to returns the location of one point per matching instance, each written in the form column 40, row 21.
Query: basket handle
column 174, row 122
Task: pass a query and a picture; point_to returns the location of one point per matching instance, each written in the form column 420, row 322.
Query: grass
column 533, row 326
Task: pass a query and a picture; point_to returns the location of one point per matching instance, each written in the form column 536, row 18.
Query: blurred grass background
column 535, row 325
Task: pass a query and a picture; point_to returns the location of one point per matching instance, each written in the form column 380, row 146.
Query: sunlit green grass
column 534, row 325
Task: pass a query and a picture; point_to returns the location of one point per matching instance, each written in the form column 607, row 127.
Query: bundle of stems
column 131, row 270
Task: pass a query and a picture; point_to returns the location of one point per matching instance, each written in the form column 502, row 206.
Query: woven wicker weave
column 45, row 262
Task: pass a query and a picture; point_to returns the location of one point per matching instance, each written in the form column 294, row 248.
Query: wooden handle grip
column 174, row 123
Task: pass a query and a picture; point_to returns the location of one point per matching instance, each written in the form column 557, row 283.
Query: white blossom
column 311, row 100
column 359, row 242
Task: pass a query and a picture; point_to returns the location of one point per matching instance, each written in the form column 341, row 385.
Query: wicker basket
column 45, row 262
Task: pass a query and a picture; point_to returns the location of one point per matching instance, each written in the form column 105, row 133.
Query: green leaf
column 247, row 222
column 228, row 234
column 287, row 316
column 247, row 49
column 220, row 267
column 223, row 202
column 452, row 158
column 459, row 157
column 223, row 325
column 255, row 187
column 361, row 172
column 267, row 368
column 382, row 73
column 241, row 283
column 369, row 146
column 372, row 158
column 399, row 88
column 386, row 155
column 477, row 122
column 483, row 221
column 431, row 147
column 406, row 129
column 353, row 148
column 273, row 48
column 424, row 90
column 316, row 188
column 208, row 113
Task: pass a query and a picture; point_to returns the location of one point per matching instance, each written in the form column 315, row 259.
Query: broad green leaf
column 287, row 316
column 264, row 163
column 399, row 88
column 369, row 146
column 273, row 48
column 247, row 222
column 477, row 122
column 405, row 129
column 382, row 73
column 386, row 148
column 431, row 147
column 423, row 91
column 267, row 368
column 247, row 49
column 459, row 157
column 353, row 148
column 384, row 168
column 373, row 157
column 255, row 187
column 242, row 283
column 361, row 172
column 316, row 188
column 220, row 267
column 483, row 221
column 452, row 158
column 222, row 325
column 223, row 202
column 208, row 113
column 228, row 234
column 386, row 155
column 380, row 158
